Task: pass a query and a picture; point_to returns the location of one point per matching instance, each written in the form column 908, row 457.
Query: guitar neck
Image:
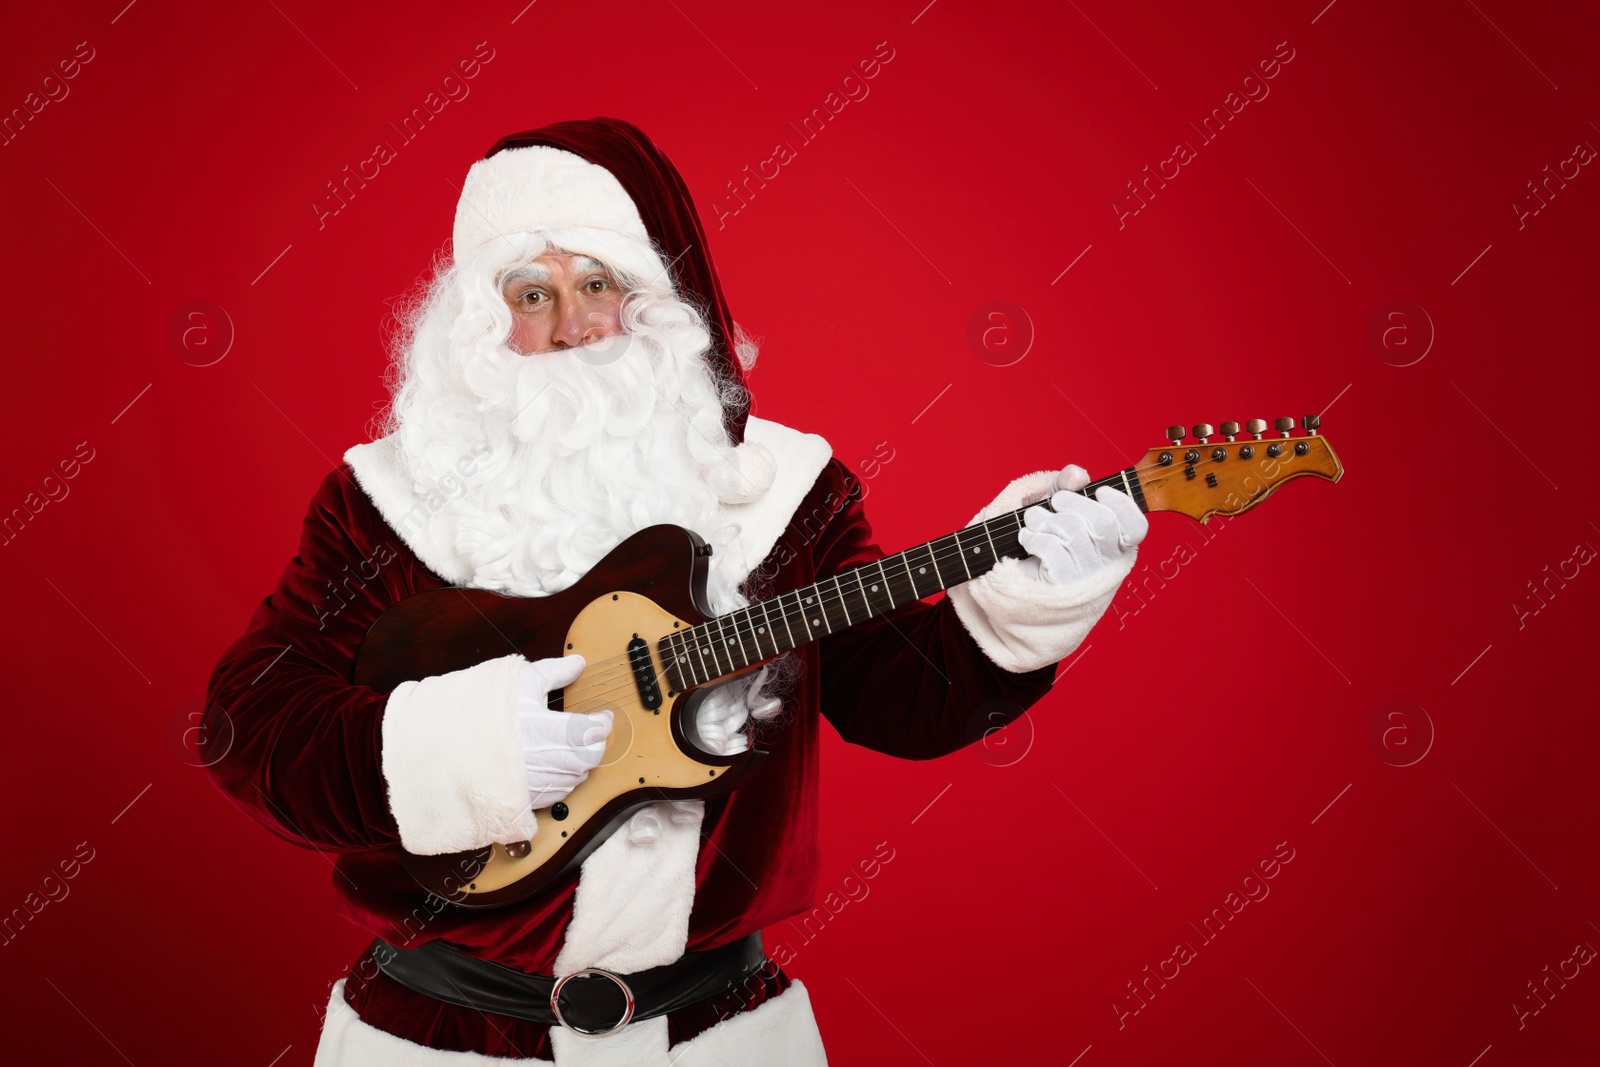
column 730, row 643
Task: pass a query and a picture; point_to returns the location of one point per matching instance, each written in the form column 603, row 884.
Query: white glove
column 560, row 748
column 1081, row 535
column 721, row 720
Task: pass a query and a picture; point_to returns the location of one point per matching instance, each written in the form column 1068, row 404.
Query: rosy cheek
column 526, row 336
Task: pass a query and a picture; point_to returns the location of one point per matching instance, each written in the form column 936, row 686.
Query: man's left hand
column 1081, row 535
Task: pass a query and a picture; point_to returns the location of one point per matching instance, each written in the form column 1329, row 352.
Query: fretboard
column 729, row 643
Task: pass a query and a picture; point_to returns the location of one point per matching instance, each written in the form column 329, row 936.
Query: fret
column 783, row 612
column 805, row 616
column 744, row 621
column 862, row 585
column 887, row 590
column 685, row 667
column 861, row 591
column 905, row 560
column 757, row 628
column 842, row 605
column 724, row 624
column 994, row 554
column 766, row 625
column 976, row 553
column 936, row 572
column 722, row 633
column 777, row 643
column 708, row 643
column 744, row 625
column 822, row 614
column 1009, row 532
column 961, row 551
column 691, row 645
column 681, row 662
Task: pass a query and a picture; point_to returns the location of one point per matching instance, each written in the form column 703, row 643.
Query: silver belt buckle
column 555, row 1001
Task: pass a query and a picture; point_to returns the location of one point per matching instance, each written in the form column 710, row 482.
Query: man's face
column 560, row 301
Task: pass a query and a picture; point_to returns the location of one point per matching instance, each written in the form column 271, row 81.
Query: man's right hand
column 560, row 748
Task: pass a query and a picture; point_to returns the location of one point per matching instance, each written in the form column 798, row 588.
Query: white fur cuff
column 452, row 758
column 1022, row 623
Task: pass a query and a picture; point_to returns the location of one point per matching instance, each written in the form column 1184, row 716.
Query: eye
column 596, row 286
column 529, row 298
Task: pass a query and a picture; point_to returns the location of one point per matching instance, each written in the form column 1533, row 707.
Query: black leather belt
column 591, row 1001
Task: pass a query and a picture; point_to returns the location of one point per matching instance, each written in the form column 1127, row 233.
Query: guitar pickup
column 644, row 673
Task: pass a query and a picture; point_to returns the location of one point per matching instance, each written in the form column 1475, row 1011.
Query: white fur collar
column 800, row 458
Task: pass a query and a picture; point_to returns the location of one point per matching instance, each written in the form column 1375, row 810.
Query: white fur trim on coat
column 452, row 759
column 780, row 1033
column 631, row 910
column 539, row 188
column 346, row 1041
column 799, row 459
column 1022, row 623
column 424, row 523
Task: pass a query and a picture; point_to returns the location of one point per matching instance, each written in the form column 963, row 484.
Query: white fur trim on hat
column 539, row 188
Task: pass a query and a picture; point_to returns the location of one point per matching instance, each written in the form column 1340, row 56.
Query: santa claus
column 571, row 376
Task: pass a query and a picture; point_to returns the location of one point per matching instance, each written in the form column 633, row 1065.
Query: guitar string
column 947, row 556
column 954, row 551
column 826, row 600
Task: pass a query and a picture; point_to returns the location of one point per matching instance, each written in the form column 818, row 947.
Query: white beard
column 548, row 461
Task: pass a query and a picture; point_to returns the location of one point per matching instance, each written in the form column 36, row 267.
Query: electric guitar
column 653, row 650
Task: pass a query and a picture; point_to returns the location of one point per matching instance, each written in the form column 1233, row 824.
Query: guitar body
column 646, row 588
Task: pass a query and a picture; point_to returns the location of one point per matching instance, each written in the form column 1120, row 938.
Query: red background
column 1220, row 720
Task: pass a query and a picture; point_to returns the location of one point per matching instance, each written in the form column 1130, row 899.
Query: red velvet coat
column 305, row 760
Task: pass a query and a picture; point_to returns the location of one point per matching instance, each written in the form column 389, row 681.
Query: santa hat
column 603, row 173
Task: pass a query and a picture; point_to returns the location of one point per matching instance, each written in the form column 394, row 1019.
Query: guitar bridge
column 644, row 673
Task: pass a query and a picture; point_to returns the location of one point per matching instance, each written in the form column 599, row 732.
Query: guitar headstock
column 1232, row 472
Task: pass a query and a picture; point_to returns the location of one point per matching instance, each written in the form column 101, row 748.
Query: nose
column 570, row 327
column 575, row 327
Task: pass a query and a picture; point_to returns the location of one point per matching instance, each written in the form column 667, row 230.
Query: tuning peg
column 1283, row 426
column 1175, row 434
column 1230, row 430
column 1257, row 427
column 1203, row 430
column 1312, row 423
